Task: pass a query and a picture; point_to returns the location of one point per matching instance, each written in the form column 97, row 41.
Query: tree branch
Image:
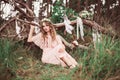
column 89, row 23
column 27, row 22
column 26, row 7
column 26, row 15
column 7, row 23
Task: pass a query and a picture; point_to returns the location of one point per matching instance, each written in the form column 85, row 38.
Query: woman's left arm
column 66, row 43
column 30, row 33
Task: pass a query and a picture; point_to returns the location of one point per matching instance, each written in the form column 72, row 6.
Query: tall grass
column 7, row 58
column 103, row 61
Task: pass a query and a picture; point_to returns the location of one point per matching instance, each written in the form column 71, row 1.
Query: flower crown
column 46, row 19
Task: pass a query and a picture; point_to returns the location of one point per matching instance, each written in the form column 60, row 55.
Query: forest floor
column 30, row 68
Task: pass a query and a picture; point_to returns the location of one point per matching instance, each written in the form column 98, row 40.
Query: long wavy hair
column 52, row 29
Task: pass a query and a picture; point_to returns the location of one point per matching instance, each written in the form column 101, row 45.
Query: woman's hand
column 75, row 43
column 72, row 46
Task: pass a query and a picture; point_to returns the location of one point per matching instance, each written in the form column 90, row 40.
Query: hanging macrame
column 80, row 28
column 17, row 29
column 68, row 27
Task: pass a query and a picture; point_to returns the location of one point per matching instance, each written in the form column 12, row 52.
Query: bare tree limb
column 26, row 15
column 15, row 18
column 26, row 6
column 27, row 22
column 89, row 23
column 7, row 23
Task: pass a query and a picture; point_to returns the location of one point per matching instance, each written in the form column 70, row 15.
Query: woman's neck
column 48, row 33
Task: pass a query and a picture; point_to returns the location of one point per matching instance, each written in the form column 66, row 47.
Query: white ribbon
column 17, row 29
column 80, row 27
column 96, row 36
column 68, row 27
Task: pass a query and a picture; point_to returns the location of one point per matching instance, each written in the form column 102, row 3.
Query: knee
column 61, row 51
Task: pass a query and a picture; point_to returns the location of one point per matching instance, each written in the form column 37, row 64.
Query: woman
column 52, row 46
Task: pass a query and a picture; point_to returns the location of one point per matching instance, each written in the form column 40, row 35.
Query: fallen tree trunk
column 89, row 23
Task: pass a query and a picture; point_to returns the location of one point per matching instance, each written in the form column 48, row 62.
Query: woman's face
column 46, row 28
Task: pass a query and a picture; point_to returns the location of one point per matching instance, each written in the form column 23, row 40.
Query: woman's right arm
column 30, row 33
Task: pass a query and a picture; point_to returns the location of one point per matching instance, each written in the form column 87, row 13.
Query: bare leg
column 66, row 59
column 67, row 62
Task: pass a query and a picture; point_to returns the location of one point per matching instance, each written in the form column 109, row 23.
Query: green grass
column 103, row 61
column 100, row 62
column 7, row 56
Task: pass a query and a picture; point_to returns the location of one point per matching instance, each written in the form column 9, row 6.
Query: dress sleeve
column 60, row 41
column 37, row 39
